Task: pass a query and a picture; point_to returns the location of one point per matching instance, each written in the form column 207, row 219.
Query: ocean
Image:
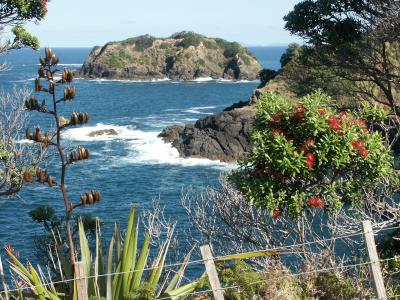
column 133, row 168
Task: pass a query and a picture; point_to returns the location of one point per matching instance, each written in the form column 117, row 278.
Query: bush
column 116, row 62
column 332, row 287
column 307, row 155
column 230, row 48
column 267, row 75
column 189, row 39
column 141, row 42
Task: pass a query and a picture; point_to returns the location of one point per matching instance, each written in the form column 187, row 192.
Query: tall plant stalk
column 49, row 72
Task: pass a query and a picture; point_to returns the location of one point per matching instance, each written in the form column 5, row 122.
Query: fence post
column 3, row 280
column 374, row 260
column 212, row 272
column 81, row 281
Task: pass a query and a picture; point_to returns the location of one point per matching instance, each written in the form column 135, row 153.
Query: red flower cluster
column 310, row 160
column 334, row 123
column 362, row 124
column 360, row 147
column 276, row 214
column 322, row 111
column 44, row 7
column 277, row 131
column 316, row 202
column 278, row 117
column 299, row 111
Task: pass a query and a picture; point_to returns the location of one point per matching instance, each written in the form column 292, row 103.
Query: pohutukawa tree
column 358, row 40
column 308, row 155
column 16, row 13
column 47, row 83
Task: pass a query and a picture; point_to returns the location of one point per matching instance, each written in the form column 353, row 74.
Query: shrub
column 308, row 155
column 189, row 39
column 210, row 44
column 266, row 75
column 141, row 42
column 115, row 61
column 332, row 287
column 230, row 48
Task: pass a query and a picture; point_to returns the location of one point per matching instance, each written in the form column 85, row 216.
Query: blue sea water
column 134, row 167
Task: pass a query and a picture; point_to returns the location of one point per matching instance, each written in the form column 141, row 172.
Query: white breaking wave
column 143, row 147
column 202, row 79
column 103, row 80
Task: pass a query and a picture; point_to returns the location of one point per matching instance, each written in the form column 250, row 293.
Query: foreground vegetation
column 318, row 168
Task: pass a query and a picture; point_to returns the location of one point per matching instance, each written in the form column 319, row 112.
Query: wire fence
column 222, row 257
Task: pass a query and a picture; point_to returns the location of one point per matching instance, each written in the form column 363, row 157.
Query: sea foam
column 143, row 147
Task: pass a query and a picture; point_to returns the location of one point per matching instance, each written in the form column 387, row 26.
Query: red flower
column 334, row 123
column 303, row 148
column 362, row 124
column 322, row 111
column 356, row 144
column 278, row 117
column 299, row 111
column 310, row 160
column 360, row 147
column 277, row 131
column 276, row 214
column 316, row 202
column 44, row 7
column 363, row 152
column 343, row 114
column 309, row 142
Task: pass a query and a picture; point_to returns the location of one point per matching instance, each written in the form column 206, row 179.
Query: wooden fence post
column 374, row 260
column 212, row 272
column 81, row 281
column 3, row 281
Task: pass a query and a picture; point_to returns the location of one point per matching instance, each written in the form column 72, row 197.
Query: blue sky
column 86, row 23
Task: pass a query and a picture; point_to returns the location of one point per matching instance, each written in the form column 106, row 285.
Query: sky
column 86, row 23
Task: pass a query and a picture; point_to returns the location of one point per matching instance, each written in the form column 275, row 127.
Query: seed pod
column 84, row 200
column 90, row 198
column 82, row 153
column 87, row 153
column 28, row 134
column 74, row 118
column 67, row 76
column 41, row 60
column 37, row 172
column 28, row 104
column 96, row 196
column 76, row 155
column 54, row 60
column 46, row 139
column 43, row 106
column 41, row 72
column 42, row 177
column 28, row 176
column 37, row 137
column 49, row 53
column 50, row 181
column 38, row 85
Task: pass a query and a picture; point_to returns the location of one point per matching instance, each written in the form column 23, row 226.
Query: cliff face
column 184, row 56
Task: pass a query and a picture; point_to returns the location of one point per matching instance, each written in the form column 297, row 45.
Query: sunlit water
column 135, row 166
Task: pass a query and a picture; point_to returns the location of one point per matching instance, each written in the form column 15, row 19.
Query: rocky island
column 183, row 56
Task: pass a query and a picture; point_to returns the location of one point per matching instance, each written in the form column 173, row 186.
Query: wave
column 103, row 80
column 65, row 65
column 143, row 147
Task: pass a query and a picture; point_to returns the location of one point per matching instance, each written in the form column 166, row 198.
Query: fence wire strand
column 276, row 249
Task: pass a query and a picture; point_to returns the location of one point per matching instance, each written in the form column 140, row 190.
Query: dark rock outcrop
column 225, row 136
column 183, row 56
